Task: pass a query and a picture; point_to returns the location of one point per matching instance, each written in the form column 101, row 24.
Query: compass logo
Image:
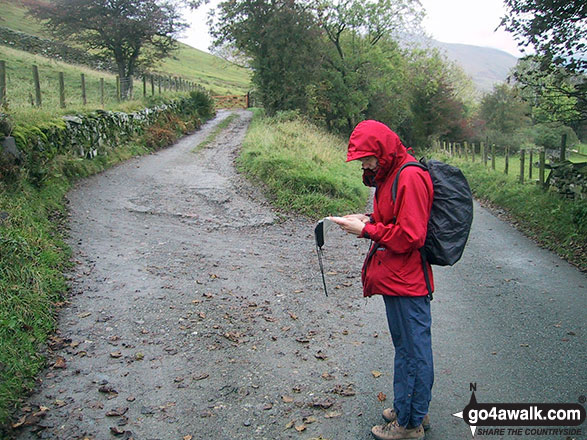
column 537, row 418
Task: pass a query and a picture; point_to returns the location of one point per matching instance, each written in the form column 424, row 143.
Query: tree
column 556, row 29
column 504, row 110
column 438, row 108
column 353, row 29
column 282, row 42
column 506, row 116
column 554, row 98
column 133, row 32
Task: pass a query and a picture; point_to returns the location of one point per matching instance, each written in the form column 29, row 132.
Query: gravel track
column 197, row 312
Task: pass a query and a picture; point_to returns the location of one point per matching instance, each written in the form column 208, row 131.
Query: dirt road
column 197, row 312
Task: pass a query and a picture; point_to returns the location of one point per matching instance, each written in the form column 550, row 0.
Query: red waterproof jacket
column 393, row 265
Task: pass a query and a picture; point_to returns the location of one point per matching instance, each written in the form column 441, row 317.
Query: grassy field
column 14, row 17
column 20, row 88
column 214, row 74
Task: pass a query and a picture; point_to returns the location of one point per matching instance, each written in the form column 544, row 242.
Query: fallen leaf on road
column 344, row 391
column 381, row 397
column 117, row 412
column 107, row 389
column 301, row 428
column 323, row 403
column 116, row 354
column 332, row 414
column 290, row 424
column 376, row 373
column 187, row 437
column 320, row 355
column 115, row 430
column 287, row 399
column 59, row 363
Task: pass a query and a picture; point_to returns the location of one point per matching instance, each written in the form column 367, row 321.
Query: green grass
column 302, row 168
column 31, row 283
column 14, row 17
column 212, row 136
column 20, row 88
column 556, row 223
column 213, row 73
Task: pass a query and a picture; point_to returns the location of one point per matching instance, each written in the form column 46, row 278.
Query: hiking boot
column 392, row 431
column 389, row 415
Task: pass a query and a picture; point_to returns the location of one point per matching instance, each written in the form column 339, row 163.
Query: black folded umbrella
column 320, row 235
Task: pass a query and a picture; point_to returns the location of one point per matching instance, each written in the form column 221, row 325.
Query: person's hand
column 364, row 218
column 350, row 224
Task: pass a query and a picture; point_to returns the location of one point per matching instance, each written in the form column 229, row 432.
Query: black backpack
column 451, row 215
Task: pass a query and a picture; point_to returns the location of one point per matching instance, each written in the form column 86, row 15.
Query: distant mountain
column 485, row 65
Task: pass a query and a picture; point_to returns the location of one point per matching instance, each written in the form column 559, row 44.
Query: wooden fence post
column 563, row 147
column 483, row 153
column 38, row 100
column 466, row 150
column 530, row 164
column 473, row 152
column 118, row 88
column 542, row 167
column 84, row 97
column 159, row 84
column 152, row 85
column 61, row 90
column 507, row 160
column 102, row 92
column 493, row 157
column 144, row 86
column 2, row 83
column 522, row 165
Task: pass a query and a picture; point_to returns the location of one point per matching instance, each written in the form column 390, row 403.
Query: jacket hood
column 372, row 138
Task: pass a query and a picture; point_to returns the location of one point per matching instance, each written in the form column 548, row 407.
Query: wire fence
column 529, row 164
column 31, row 86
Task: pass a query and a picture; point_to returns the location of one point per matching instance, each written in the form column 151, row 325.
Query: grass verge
column 302, row 167
column 555, row 223
column 212, row 136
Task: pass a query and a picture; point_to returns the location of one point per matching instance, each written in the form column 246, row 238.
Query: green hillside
column 211, row 72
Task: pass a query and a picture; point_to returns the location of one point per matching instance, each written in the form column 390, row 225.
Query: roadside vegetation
column 302, row 167
column 554, row 222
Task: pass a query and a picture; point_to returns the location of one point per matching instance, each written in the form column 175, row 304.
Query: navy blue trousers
column 409, row 322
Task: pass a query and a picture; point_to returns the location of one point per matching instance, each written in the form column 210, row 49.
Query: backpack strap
column 396, row 180
column 393, row 197
column 425, row 270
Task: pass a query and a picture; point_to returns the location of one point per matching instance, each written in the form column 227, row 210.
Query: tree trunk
column 126, row 78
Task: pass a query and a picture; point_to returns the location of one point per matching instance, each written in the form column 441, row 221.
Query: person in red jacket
column 393, row 268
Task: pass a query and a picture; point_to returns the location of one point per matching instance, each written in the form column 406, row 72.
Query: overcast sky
column 450, row 21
